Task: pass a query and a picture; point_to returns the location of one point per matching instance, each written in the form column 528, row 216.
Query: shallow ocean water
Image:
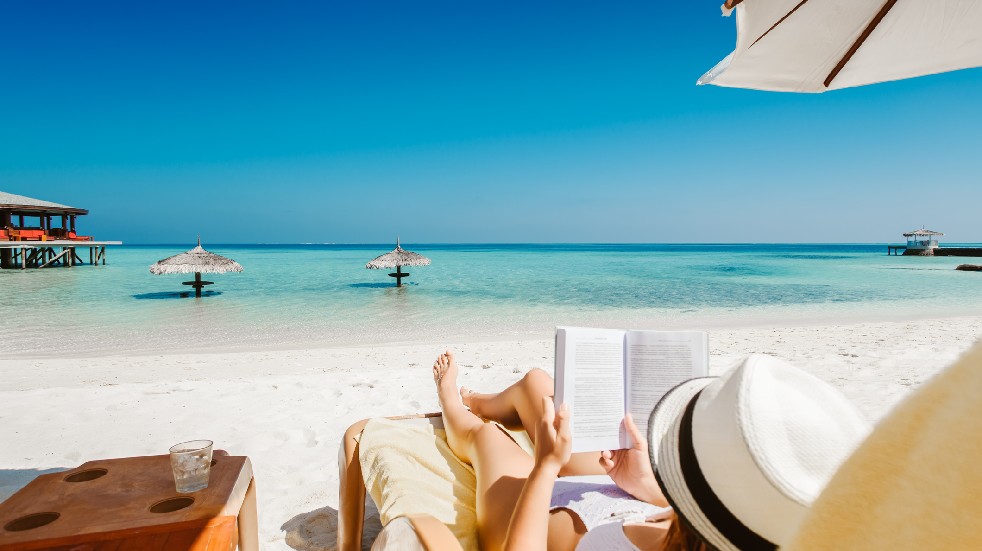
column 321, row 295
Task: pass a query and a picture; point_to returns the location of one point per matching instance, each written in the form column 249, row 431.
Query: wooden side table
column 131, row 503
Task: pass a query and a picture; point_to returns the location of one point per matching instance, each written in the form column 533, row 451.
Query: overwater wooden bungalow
column 31, row 231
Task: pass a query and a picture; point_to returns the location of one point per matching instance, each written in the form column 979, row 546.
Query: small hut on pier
column 25, row 218
column 921, row 242
column 31, row 229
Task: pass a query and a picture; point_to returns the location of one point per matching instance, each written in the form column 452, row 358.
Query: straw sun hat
column 742, row 457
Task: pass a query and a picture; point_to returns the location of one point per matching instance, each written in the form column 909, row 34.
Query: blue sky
column 460, row 122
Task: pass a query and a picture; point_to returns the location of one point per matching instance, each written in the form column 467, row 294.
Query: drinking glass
column 191, row 463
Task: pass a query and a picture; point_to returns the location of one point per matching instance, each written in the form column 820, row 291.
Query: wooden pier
column 46, row 254
column 41, row 234
column 902, row 250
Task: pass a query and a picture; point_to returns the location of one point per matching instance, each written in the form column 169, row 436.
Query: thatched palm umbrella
column 397, row 259
column 196, row 261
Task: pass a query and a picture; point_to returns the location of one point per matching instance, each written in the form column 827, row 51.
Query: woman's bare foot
column 445, row 377
column 458, row 422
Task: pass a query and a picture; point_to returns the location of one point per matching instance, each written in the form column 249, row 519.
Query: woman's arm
column 529, row 527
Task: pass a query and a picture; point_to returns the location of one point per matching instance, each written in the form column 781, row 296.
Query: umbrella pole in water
column 197, row 284
column 399, row 275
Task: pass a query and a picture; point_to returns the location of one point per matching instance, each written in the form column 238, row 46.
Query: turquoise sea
column 294, row 296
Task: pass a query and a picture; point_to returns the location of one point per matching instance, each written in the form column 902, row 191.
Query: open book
column 602, row 374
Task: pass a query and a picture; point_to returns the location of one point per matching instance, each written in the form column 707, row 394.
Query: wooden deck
column 901, row 250
column 43, row 254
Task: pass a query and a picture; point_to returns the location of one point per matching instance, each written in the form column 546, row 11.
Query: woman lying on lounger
column 765, row 440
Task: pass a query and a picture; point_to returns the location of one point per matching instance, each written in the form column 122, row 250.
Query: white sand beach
column 287, row 409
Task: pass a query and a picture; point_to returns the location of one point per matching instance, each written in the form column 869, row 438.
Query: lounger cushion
column 409, row 468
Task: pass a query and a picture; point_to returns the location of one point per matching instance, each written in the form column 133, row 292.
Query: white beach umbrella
column 819, row 45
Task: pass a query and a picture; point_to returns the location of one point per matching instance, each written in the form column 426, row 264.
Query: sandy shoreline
column 287, row 409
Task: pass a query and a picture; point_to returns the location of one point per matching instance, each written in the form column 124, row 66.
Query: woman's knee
column 538, row 382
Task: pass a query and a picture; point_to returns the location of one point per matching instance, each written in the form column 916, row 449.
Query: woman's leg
column 520, row 407
column 500, row 465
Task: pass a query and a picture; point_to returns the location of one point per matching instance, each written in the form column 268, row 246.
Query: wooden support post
column 91, row 257
column 54, row 259
column 103, row 255
column 23, row 258
column 398, row 274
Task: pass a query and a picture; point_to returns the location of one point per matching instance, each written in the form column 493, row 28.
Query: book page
column 590, row 379
column 657, row 361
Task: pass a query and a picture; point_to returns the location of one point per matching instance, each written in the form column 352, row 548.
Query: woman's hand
column 553, row 442
column 631, row 468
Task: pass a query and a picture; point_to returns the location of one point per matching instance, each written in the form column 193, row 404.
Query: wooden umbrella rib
column 859, row 41
column 730, row 4
column 779, row 21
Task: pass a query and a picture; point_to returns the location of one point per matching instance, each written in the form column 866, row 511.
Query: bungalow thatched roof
column 22, row 203
column 196, row 260
column 922, row 233
column 398, row 257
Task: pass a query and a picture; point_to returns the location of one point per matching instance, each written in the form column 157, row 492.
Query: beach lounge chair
column 409, row 531
column 425, row 495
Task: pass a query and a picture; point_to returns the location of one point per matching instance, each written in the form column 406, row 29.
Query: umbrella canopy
column 398, row 257
column 197, row 260
column 819, row 45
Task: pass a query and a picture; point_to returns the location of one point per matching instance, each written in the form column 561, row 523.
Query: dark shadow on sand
column 317, row 530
